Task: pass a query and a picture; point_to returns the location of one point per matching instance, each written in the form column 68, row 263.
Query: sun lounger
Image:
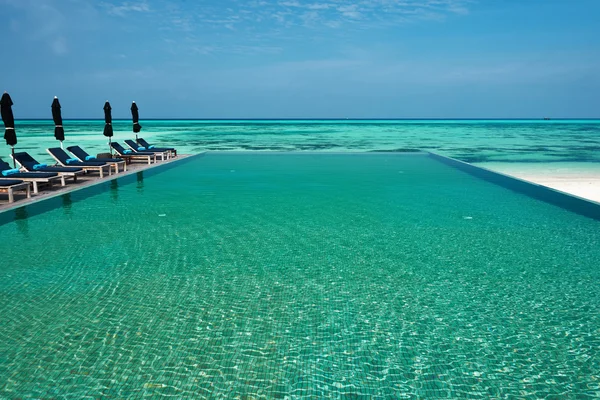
column 31, row 165
column 34, row 177
column 10, row 185
column 137, row 148
column 147, row 145
column 81, row 154
column 63, row 159
column 131, row 154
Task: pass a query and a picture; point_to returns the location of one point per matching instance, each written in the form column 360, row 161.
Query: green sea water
column 475, row 141
column 300, row 275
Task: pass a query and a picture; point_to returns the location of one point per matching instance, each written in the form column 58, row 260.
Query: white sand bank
column 580, row 179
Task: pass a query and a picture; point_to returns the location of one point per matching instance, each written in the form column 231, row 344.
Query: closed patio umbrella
column 136, row 119
column 9, row 122
column 108, row 130
column 59, row 132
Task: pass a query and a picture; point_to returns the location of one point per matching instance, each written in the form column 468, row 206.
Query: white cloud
column 329, row 14
column 349, row 11
column 335, row 13
column 249, row 27
column 126, row 8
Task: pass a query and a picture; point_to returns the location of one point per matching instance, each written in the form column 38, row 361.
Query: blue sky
column 303, row 59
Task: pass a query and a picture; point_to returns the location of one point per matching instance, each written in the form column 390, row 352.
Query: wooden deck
column 46, row 192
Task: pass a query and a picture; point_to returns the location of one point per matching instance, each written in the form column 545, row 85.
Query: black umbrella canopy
column 59, row 132
column 107, row 113
column 8, row 119
column 108, row 130
column 136, row 118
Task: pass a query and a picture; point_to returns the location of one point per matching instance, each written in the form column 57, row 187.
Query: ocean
column 474, row 141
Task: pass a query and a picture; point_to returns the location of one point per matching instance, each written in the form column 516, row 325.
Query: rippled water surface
column 299, row 275
column 469, row 140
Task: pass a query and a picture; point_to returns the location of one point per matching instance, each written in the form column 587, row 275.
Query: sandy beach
column 579, row 179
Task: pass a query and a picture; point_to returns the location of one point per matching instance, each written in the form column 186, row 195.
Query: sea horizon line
column 323, row 119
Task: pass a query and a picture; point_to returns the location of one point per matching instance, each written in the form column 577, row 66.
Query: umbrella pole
column 13, row 156
column 61, row 145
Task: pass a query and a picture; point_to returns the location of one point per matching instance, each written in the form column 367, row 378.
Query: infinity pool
column 299, row 275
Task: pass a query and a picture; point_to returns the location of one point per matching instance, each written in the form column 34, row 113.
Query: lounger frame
column 49, row 181
column 86, row 168
column 18, row 186
column 34, row 181
column 162, row 154
column 64, row 175
column 115, row 163
column 173, row 152
column 134, row 156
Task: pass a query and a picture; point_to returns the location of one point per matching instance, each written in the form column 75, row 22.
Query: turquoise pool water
column 299, row 275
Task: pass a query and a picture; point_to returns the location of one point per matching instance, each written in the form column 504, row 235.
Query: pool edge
column 564, row 200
